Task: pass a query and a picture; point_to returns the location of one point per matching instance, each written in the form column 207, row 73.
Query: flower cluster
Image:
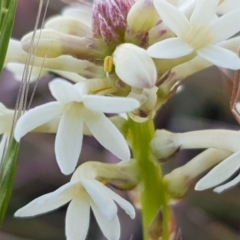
column 123, row 57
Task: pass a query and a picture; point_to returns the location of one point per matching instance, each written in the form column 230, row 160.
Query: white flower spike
column 200, row 34
column 83, row 194
column 76, row 108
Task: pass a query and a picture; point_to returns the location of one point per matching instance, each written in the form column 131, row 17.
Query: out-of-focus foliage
column 7, row 16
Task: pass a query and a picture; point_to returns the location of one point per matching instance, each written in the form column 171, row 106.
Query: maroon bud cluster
column 109, row 20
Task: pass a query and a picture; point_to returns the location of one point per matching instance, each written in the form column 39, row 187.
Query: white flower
column 83, row 194
column 77, row 109
column 221, row 173
column 199, row 34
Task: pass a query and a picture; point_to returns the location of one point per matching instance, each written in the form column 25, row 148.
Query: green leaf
column 7, row 176
column 9, row 162
column 7, row 16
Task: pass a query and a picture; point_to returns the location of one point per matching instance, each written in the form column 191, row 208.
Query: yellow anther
column 108, row 64
column 104, row 181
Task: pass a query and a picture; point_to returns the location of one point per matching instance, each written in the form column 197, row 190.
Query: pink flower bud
column 110, row 20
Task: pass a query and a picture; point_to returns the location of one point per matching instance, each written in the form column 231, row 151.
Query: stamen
column 108, row 64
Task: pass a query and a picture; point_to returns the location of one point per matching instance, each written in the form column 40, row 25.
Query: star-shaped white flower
column 200, row 34
column 83, row 194
column 77, row 109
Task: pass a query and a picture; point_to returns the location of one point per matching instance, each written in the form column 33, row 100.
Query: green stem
column 7, row 177
column 154, row 193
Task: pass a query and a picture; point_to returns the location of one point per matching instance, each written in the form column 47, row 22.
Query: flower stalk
column 141, row 135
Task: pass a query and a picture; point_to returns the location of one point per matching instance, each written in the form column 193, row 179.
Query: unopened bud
column 46, row 43
column 163, row 145
column 148, row 19
column 109, row 20
column 157, row 227
column 147, row 99
column 178, row 183
column 69, row 25
column 159, row 33
column 50, row 43
column 142, row 74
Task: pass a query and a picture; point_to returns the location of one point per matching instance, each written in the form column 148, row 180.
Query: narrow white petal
column 47, row 202
column 134, row 66
column 204, row 12
column 18, row 68
column 107, row 134
column 77, row 219
column 64, row 91
column 171, row 16
column 220, row 57
column 227, row 6
column 36, row 117
column 170, row 48
column 220, row 173
column 127, row 206
column 68, row 141
column 100, row 196
column 226, row 26
column 110, row 228
column 228, row 185
column 237, row 107
column 110, row 104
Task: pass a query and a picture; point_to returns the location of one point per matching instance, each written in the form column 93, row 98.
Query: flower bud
column 178, row 182
column 83, row 12
column 69, row 25
column 156, row 227
column 134, row 66
column 164, row 145
column 109, row 20
column 46, row 43
column 159, row 33
column 50, row 43
column 147, row 99
column 137, row 31
column 148, row 19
